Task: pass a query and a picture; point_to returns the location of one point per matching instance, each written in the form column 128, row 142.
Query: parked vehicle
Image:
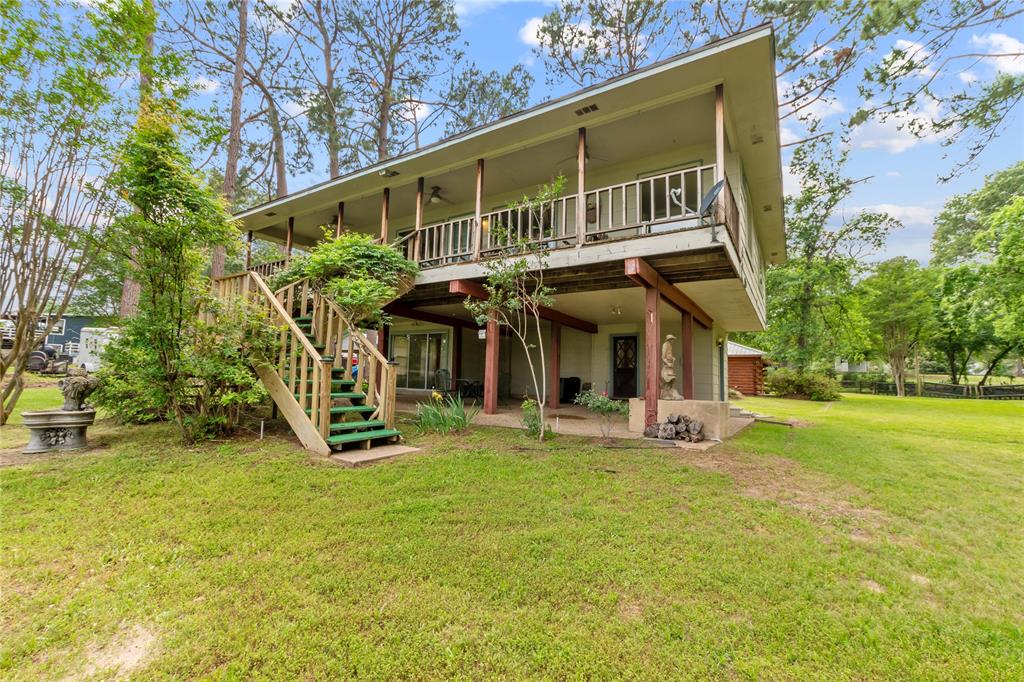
column 91, row 344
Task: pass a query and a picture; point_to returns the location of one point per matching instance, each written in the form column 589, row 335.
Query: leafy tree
column 398, row 48
column 897, row 305
column 1004, row 279
column 477, row 97
column 965, row 216
column 818, row 46
column 516, row 293
column 175, row 217
column 61, row 114
column 812, row 317
column 963, row 325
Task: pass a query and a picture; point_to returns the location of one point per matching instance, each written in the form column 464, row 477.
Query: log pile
column 677, row 427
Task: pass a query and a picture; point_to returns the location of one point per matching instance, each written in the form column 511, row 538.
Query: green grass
column 881, row 540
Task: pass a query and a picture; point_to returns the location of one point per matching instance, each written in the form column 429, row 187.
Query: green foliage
column 175, row 217
column 964, row 220
column 1004, row 280
column 444, row 414
column 897, row 302
column 533, row 420
column 605, row 407
column 790, row 383
column 359, row 275
column 812, row 315
column 215, row 376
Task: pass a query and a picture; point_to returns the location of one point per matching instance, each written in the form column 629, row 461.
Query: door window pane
column 417, row 361
column 400, row 355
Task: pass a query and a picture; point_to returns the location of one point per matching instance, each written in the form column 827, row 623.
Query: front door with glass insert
column 624, row 365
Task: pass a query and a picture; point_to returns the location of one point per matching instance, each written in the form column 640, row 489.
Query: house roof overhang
column 743, row 63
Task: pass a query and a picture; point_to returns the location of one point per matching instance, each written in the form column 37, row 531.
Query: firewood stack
column 677, row 427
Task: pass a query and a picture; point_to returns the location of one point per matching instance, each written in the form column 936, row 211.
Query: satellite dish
column 709, row 199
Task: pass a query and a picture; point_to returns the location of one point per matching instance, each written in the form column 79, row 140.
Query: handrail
column 278, row 308
column 267, row 269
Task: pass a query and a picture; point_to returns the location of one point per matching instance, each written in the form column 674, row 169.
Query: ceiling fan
column 435, row 197
column 586, row 154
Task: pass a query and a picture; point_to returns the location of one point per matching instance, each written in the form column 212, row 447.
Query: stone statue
column 76, row 388
column 668, row 371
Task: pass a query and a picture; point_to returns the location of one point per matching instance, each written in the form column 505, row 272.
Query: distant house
column 746, row 369
column 843, row 366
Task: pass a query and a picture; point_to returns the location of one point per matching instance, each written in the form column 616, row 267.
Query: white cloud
column 206, row 85
column 896, row 134
column 528, row 32
column 908, row 215
column 967, row 77
column 1009, row 49
column 787, row 135
column 912, row 52
column 819, row 109
column 790, row 182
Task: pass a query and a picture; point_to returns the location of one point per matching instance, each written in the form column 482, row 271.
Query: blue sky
column 905, row 170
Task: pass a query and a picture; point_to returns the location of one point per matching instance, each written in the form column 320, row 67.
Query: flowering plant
column 604, row 407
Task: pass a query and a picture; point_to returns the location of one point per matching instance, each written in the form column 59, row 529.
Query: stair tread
column 343, row 382
column 351, row 395
column 349, row 426
column 342, row 409
column 304, row 318
column 362, row 435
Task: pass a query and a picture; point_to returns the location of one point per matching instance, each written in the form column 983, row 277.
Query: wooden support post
column 456, row 353
column 288, row 238
column 248, row 251
column 419, row 220
column 384, row 208
column 556, row 357
column 652, row 354
column 383, row 339
column 719, row 133
column 479, row 226
column 341, row 219
column 491, row 358
column 687, row 359
column 581, row 187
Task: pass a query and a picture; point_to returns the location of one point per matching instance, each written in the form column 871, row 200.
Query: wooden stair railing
column 305, row 379
column 348, row 346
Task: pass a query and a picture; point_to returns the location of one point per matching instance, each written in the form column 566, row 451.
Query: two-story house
column 632, row 261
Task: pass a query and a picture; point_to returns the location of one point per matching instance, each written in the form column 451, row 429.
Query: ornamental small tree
column 515, row 287
column 604, row 407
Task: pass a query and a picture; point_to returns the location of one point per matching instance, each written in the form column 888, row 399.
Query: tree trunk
column 130, row 288
column 384, row 115
column 235, row 126
column 995, row 363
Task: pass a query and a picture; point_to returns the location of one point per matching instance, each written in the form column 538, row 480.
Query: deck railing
column 642, row 206
column 659, row 203
column 268, row 269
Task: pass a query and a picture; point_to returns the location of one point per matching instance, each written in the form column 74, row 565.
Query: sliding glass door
column 419, row 356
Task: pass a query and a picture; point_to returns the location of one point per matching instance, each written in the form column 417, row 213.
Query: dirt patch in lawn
column 787, row 483
column 128, row 651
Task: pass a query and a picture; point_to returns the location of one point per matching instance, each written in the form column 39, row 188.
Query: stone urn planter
column 64, row 428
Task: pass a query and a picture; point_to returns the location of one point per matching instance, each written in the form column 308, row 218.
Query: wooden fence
column 931, row 389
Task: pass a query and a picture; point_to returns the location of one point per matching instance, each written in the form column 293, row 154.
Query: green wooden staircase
column 329, row 381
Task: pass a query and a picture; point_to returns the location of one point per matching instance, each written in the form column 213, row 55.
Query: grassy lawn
column 879, row 539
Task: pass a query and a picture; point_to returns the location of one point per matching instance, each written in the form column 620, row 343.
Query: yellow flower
column 436, row 396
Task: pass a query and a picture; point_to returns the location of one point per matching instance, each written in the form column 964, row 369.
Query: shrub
column 532, row 419
column 444, row 414
column 604, row 407
column 790, row 383
column 352, row 270
column 214, row 379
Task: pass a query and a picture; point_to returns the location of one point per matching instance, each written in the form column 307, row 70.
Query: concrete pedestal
column 57, row 429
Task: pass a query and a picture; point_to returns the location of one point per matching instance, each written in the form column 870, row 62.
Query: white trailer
column 91, row 344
